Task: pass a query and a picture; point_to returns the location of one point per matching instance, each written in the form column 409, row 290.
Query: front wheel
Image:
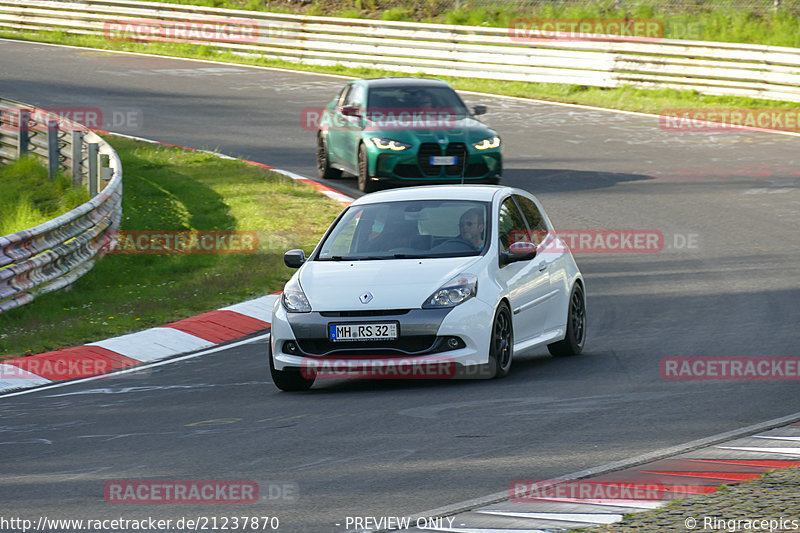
column 501, row 347
column 365, row 184
column 289, row 380
column 576, row 327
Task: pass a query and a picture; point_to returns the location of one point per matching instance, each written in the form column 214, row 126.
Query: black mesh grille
column 475, row 170
column 401, row 346
column 426, row 150
column 459, row 150
column 372, row 312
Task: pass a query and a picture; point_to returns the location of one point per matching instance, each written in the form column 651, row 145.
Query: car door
column 553, row 259
column 527, row 282
column 337, row 125
column 349, row 135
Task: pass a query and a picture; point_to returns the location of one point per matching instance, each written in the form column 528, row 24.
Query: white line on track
column 137, row 368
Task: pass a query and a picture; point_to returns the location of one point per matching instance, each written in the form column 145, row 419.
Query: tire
column 501, row 343
column 324, row 169
column 290, row 380
column 365, row 184
column 575, row 338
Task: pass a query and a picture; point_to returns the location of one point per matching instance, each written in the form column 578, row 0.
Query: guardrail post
column 77, row 155
column 94, row 175
column 52, row 147
column 23, row 137
column 106, row 172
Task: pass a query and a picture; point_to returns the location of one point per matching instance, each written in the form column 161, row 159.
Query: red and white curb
column 188, row 335
column 184, row 336
column 699, row 471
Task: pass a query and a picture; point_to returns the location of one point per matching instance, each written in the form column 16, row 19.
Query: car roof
column 409, row 81
column 483, row 193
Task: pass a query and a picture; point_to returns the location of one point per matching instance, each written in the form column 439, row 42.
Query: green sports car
column 405, row 131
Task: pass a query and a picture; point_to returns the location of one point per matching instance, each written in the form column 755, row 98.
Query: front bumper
column 414, row 164
column 300, row 340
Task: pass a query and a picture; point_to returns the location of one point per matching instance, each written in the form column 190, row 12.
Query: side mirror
column 518, row 251
column 350, row 111
column 479, row 109
column 294, row 258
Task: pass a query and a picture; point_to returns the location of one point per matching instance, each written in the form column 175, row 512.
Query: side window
column 356, row 96
column 343, row 94
column 341, row 242
column 510, row 224
column 534, row 218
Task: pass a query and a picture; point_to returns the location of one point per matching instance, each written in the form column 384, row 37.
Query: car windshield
column 408, row 230
column 438, row 98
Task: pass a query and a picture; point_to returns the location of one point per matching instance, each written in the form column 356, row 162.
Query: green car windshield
column 413, row 229
column 435, row 98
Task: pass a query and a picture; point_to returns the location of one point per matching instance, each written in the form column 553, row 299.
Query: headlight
column 456, row 291
column 294, row 299
column 389, row 144
column 491, row 142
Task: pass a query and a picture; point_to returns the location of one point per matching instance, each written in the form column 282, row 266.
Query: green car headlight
column 485, row 144
column 389, row 144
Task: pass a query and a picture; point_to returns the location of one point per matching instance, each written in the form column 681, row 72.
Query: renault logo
column 365, row 297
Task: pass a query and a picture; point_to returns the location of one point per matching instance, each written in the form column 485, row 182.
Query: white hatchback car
column 456, row 276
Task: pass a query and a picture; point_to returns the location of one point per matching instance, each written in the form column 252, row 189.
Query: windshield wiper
column 344, row 258
column 408, row 256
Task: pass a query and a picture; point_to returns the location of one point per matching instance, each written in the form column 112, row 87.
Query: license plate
column 362, row 332
column 444, row 160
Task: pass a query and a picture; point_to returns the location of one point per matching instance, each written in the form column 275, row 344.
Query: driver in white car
column 471, row 227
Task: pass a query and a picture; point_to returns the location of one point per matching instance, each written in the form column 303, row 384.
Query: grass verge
column 30, row 197
column 172, row 189
column 711, row 20
column 625, row 98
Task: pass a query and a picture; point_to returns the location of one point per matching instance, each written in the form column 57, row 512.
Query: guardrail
column 435, row 49
column 54, row 254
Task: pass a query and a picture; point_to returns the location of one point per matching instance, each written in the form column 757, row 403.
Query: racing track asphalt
column 395, row 448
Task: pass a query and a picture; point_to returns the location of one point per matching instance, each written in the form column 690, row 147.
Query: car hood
column 393, row 283
column 453, row 129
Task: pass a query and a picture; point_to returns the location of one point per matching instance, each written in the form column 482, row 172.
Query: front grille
column 475, row 170
column 426, row 150
column 373, row 312
column 402, row 346
column 460, row 151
